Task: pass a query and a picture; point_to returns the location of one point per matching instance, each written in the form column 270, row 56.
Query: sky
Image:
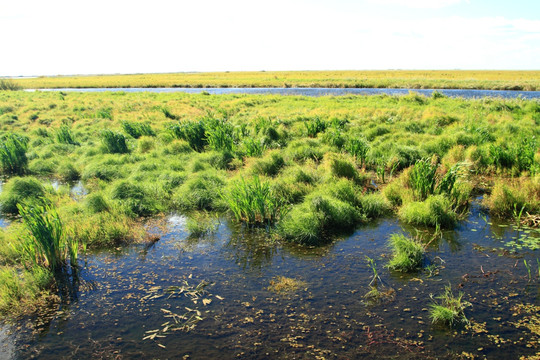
column 66, row 37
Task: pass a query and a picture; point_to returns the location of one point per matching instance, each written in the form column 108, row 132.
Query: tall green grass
column 13, row 158
column 65, row 136
column 114, row 143
column 46, row 242
column 137, row 129
column 254, row 202
column 194, row 132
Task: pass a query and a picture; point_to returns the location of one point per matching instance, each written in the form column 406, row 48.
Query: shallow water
column 121, row 296
column 464, row 93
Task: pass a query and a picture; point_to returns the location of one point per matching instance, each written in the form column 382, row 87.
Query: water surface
column 121, row 298
column 464, row 93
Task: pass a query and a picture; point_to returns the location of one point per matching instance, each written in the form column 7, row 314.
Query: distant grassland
column 419, row 79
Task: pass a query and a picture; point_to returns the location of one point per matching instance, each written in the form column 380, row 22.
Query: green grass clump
column 436, row 210
column 137, row 129
column 46, row 243
column 359, row 148
column 13, row 158
column 314, row 125
column 374, row 205
column 302, row 225
column 104, row 229
column 19, row 288
column 18, row 190
column 219, row 135
column 65, row 136
column 201, row 191
column 506, row 196
column 68, row 172
column 96, row 203
column 253, row 201
column 269, row 165
column 450, row 311
column 315, row 220
column 194, row 132
column 422, row 178
column 407, row 254
column 134, row 198
column 114, row 143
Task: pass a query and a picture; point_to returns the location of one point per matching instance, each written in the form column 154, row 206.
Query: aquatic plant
column 13, row 158
column 47, row 243
column 407, row 254
column 528, row 267
column 450, row 311
column 282, row 284
column 302, row 225
column 113, row 142
column 253, row 201
column 18, row 190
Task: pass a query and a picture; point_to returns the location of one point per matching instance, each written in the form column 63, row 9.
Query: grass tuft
column 407, row 254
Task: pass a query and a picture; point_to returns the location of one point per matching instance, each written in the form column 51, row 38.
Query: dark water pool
column 122, row 299
column 464, row 93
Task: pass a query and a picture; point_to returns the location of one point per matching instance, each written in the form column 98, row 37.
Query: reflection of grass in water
column 282, row 284
column 202, row 223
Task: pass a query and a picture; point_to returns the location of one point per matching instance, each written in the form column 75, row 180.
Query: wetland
column 256, row 226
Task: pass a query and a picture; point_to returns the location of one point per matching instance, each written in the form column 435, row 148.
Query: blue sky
column 116, row 36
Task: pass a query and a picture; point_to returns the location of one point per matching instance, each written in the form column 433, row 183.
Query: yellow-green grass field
column 417, row 79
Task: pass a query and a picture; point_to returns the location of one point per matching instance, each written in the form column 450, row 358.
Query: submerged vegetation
column 301, row 170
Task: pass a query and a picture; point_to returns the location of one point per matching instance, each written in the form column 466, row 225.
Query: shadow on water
column 124, row 296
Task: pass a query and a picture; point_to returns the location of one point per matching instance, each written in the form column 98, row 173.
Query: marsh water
column 127, row 294
column 464, row 93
